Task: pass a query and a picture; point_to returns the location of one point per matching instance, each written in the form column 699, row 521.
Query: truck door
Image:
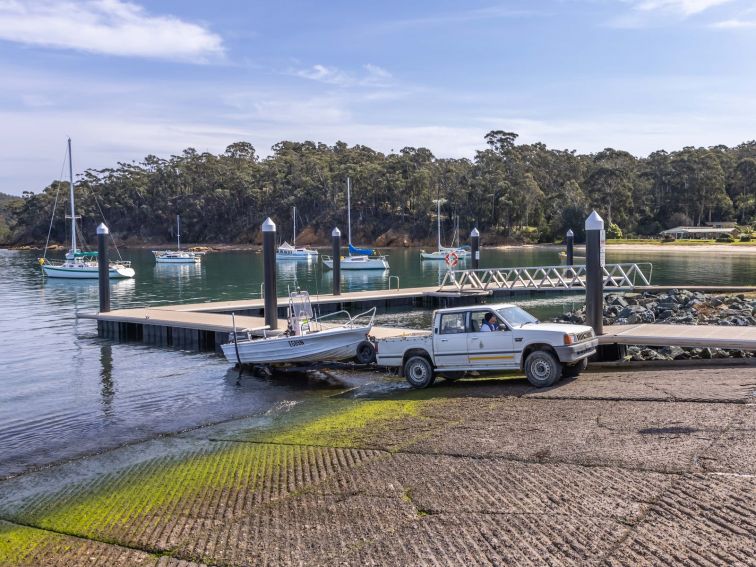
column 494, row 349
column 450, row 340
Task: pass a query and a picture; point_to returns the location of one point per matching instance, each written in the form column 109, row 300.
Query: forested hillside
column 503, row 190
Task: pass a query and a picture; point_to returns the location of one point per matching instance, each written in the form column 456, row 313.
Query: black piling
column 594, row 263
column 475, row 248
column 570, row 242
column 336, row 255
column 269, row 273
column 103, row 267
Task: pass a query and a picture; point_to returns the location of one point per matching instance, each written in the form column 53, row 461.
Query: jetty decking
column 694, row 336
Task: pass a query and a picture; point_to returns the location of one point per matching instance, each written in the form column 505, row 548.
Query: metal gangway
column 616, row 276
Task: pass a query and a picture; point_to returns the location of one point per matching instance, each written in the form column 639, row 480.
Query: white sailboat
column 359, row 258
column 443, row 251
column 177, row 256
column 79, row 264
column 290, row 251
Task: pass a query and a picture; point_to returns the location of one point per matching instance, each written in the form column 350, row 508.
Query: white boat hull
column 441, row 254
column 297, row 255
column 195, row 260
column 356, row 263
column 322, row 346
column 86, row 272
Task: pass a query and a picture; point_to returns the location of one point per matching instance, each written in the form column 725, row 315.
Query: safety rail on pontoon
column 616, row 276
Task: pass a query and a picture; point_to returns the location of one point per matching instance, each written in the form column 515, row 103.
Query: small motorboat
column 306, row 340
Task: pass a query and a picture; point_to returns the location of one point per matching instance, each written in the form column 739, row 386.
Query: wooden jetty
column 694, row 336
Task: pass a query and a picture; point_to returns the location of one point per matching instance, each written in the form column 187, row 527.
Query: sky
column 125, row 79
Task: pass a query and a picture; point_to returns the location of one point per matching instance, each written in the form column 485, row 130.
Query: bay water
column 64, row 392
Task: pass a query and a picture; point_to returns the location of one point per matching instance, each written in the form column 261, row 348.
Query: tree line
column 522, row 191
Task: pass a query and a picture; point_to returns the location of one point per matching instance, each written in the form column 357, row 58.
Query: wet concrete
column 656, row 466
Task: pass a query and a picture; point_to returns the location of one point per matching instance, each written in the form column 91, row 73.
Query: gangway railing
column 616, row 276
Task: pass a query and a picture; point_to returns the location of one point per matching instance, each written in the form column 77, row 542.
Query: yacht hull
column 85, row 273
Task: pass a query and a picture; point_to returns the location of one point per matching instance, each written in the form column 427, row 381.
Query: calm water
column 65, row 392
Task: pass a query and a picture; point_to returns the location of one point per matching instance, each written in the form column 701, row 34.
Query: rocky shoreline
column 675, row 307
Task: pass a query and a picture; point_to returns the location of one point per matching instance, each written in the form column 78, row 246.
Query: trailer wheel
column 575, row 369
column 542, row 369
column 365, row 352
column 418, row 372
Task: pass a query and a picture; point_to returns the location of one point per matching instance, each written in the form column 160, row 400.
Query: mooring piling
column 475, row 248
column 336, row 255
column 570, row 242
column 269, row 273
column 103, row 267
column 595, row 258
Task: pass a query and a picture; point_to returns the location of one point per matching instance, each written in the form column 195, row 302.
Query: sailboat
column 290, row 251
column 443, row 251
column 177, row 256
column 359, row 258
column 79, row 264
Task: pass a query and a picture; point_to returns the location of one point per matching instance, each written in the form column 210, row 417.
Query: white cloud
column 685, row 7
column 370, row 76
column 734, row 24
column 110, row 27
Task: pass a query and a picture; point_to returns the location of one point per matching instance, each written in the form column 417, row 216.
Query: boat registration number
column 296, row 343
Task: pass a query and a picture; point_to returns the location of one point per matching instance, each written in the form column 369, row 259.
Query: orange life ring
column 451, row 259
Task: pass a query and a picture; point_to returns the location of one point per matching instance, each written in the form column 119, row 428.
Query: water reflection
column 178, row 271
column 358, row 280
column 107, row 389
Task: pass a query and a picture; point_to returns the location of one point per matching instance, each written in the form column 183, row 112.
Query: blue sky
column 127, row 79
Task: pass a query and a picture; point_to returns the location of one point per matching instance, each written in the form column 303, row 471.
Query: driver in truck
column 489, row 323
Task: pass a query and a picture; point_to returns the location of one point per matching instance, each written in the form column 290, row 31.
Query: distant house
column 722, row 224
column 702, row 232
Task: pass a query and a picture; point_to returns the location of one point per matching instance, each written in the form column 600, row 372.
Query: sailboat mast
column 73, row 204
column 438, row 222
column 178, row 232
column 349, row 211
column 294, row 236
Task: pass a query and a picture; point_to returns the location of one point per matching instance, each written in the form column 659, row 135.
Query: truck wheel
column 418, row 372
column 542, row 369
column 575, row 369
column 365, row 352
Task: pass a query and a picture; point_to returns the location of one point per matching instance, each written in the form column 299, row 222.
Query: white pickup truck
column 514, row 340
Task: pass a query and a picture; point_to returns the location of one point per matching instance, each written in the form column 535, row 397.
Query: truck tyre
column 365, row 352
column 575, row 369
column 418, row 372
column 542, row 368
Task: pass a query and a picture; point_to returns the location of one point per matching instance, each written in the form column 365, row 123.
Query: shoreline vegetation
column 624, row 246
column 512, row 193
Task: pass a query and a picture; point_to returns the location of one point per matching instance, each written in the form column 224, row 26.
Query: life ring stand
column 451, row 259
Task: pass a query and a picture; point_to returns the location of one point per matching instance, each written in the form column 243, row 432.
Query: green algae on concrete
column 22, row 546
column 348, row 427
column 138, row 505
